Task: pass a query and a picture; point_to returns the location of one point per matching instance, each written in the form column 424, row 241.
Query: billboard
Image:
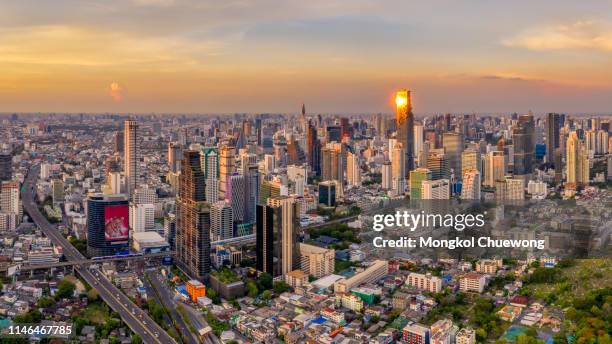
column 116, row 222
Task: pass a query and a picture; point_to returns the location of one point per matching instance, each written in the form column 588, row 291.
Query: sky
column 348, row 56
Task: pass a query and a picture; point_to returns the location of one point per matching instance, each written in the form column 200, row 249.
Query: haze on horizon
column 336, row 56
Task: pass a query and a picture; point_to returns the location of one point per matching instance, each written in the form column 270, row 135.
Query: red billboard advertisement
column 116, row 222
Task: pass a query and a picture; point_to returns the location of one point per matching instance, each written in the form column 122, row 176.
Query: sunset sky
column 336, row 56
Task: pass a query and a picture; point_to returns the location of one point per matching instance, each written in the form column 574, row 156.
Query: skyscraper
column 523, row 139
column 131, row 154
column 453, row 147
column 235, row 195
column 226, row 166
column 435, row 189
column 192, row 219
column 210, row 166
column 175, row 154
column 221, row 221
column 276, row 237
column 398, row 168
column 553, row 127
column 353, row 170
column 405, row 126
column 470, row 160
column 314, row 149
column 418, row 143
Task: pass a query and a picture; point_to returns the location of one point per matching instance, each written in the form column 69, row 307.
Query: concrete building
column 316, row 261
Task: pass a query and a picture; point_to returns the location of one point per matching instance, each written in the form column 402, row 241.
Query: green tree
column 65, row 289
column 281, row 287
column 265, row 280
column 252, row 290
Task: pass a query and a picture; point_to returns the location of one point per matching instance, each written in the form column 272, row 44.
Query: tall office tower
column 258, row 129
column 327, row 193
column 226, row 166
column 295, row 155
column 277, row 245
column 495, row 167
column 470, row 188
column 209, row 157
column 437, row 163
column 602, row 142
column 303, row 122
column 353, row 170
column 398, row 172
column 314, row 149
column 553, row 127
column 470, row 160
column 387, row 176
column 418, row 143
column 119, row 146
column 235, row 194
column 251, row 179
column 316, row 261
column 112, row 164
column 523, row 139
column 6, row 166
column 270, row 188
column 405, row 126
column 558, row 162
column 175, row 154
column 453, row 147
column 131, row 155
column 247, row 160
column 192, row 219
column 435, row 189
column 107, row 224
column 417, row 177
column 221, row 221
column 269, row 163
column 577, row 162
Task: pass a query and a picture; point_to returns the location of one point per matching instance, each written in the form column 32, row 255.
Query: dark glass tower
column 523, row 138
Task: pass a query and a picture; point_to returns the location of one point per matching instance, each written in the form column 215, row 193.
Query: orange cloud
column 581, row 34
column 116, row 91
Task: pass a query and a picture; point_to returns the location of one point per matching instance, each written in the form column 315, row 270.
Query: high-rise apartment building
column 438, row 164
column 192, row 219
column 209, row 157
column 131, row 154
column 435, row 189
column 226, row 166
column 221, row 221
column 353, row 169
column 577, row 162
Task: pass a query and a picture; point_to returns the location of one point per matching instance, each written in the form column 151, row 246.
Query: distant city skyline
column 166, row 56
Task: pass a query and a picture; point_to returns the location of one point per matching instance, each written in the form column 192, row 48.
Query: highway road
column 135, row 318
